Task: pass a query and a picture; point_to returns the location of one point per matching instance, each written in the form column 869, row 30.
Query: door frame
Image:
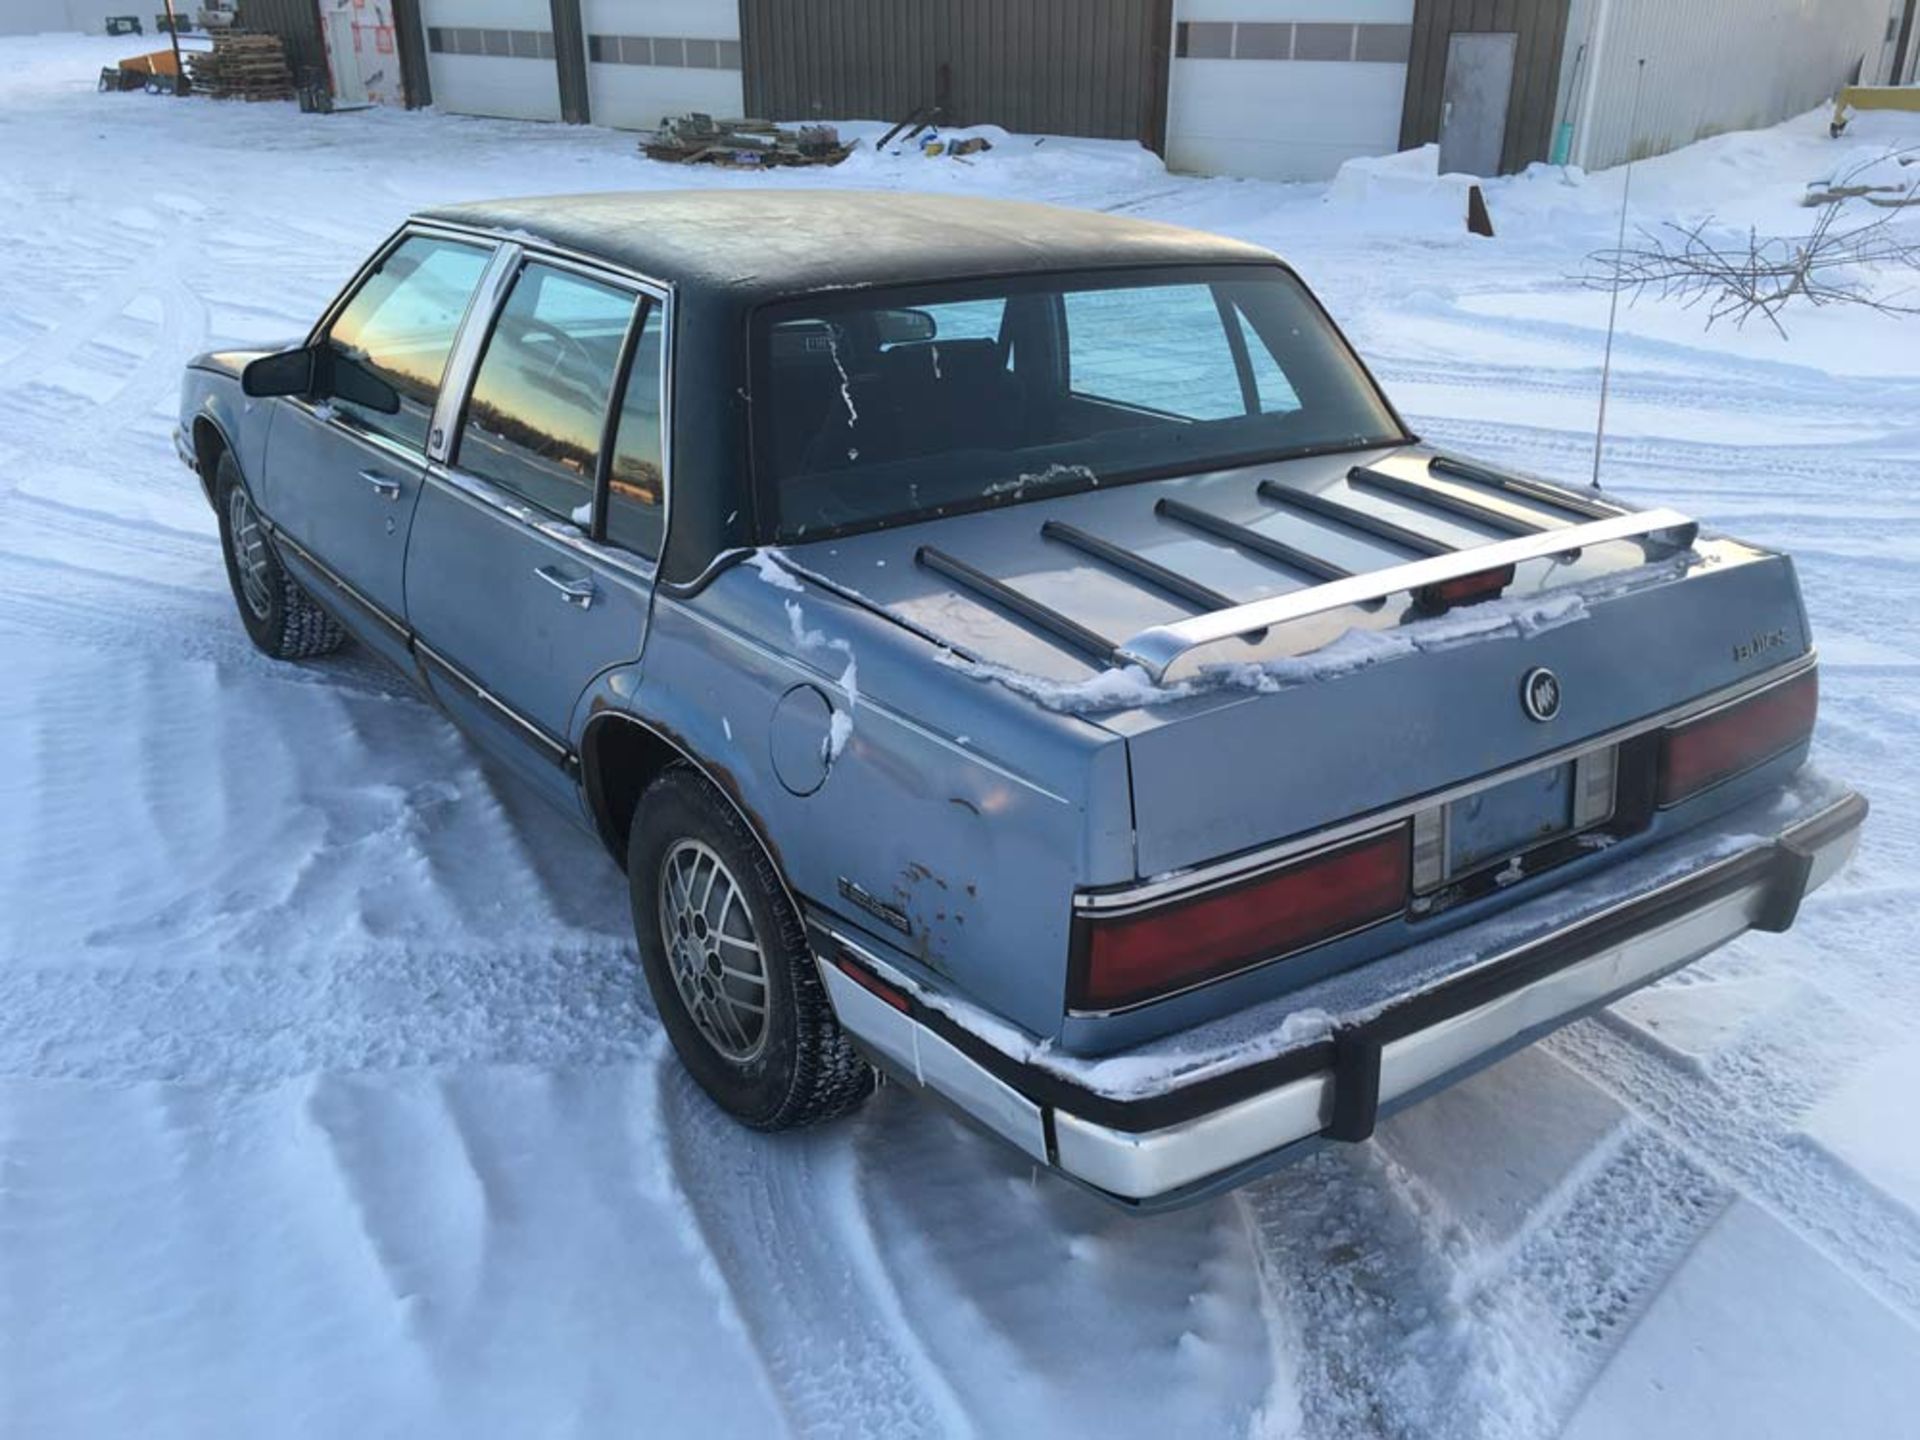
column 463, row 365
column 1534, row 96
column 456, row 381
column 1468, row 39
column 393, row 637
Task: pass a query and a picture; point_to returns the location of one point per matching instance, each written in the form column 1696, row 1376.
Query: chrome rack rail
column 1155, row 650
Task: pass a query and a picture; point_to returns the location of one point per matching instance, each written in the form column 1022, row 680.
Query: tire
column 279, row 616
column 691, row 859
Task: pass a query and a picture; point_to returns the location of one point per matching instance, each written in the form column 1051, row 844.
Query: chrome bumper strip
column 1470, row 1019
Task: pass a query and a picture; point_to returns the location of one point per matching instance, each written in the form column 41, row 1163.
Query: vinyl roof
column 768, row 242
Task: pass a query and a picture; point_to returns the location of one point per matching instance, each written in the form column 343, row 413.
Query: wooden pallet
column 242, row 66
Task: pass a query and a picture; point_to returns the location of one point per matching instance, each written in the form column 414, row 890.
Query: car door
column 342, row 478
column 530, row 570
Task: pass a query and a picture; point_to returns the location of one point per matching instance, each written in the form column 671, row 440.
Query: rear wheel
column 280, row 617
column 727, row 961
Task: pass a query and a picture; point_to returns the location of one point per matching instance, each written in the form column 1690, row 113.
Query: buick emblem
column 1540, row 694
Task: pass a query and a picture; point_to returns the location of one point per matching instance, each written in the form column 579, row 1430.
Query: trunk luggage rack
column 1155, row 650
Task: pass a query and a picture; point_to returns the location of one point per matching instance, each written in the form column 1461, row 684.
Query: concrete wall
column 640, row 66
column 1236, row 107
column 471, row 75
column 1712, row 66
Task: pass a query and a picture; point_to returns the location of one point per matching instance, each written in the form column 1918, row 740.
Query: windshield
column 881, row 406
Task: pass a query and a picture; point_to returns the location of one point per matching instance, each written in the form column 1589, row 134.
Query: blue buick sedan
column 1024, row 653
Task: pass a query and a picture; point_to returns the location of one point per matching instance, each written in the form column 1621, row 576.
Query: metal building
column 1285, row 89
column 1049, row 67
column 1713, row 66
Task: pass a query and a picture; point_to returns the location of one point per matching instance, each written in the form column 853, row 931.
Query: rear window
column 884, row 406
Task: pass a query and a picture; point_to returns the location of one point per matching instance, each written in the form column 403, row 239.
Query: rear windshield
column 882, row 406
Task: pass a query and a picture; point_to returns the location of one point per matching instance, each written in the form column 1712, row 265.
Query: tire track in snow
column 1367, row 1300
column 1404, row 1318
column 1546, row 1312
column 94, row 611
column 1737, row 1120
column 781, row 1218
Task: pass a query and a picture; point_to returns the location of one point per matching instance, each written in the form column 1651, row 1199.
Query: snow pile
column 1404, row 193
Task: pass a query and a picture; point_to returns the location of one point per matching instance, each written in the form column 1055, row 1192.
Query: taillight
column 1737, row 736
column 1126, row 958
column 1464, row 589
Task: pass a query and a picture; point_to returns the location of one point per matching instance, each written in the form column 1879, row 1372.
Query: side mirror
column 288, row 373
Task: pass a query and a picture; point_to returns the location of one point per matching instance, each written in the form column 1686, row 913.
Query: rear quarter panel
column 968, row 812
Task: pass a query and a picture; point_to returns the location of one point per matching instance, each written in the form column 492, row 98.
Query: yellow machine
column 1871, row 97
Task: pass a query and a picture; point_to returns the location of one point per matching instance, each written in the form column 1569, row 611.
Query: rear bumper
column 1212, row 1122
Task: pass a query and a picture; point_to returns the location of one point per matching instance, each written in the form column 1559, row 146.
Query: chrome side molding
column 1155, row 650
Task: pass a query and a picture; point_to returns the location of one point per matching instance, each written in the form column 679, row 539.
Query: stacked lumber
column 699, row 139
column 242, row 67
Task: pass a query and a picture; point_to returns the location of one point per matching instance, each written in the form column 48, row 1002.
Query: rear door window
column 399, row 327
column 535, row 418
column 636, row 481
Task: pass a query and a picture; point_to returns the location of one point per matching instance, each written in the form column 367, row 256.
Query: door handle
column 575, row 592
column 385, row 486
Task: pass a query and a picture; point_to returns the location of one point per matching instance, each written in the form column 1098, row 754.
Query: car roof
column 766, row 242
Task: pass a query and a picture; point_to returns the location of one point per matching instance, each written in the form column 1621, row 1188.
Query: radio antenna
column 1619, row 245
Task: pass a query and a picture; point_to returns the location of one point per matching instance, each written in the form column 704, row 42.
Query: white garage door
column 492, row 57
column 651, row 58
column 1271, row 88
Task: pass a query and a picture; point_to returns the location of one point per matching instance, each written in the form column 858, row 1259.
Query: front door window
column 400, row 326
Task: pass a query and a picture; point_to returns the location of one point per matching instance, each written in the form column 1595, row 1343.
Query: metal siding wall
column 1069, row 67
column 1541, row 26
column 1714, row 66
column 294, row 21
column 412, row 40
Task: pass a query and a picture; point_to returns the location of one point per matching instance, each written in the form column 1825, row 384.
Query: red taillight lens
column 1465, row 589
column 1737, row 737
column 1129, row 958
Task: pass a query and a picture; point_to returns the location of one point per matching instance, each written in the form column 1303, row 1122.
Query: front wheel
column 281, row 618
column 727, row 961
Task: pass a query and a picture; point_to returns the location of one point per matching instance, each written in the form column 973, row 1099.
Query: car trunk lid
column 1084, row 603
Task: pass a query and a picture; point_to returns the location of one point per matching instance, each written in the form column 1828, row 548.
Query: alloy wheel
column 250, row 557
column 713, row 950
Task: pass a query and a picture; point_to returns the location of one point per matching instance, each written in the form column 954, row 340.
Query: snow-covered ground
column 329, row 1101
